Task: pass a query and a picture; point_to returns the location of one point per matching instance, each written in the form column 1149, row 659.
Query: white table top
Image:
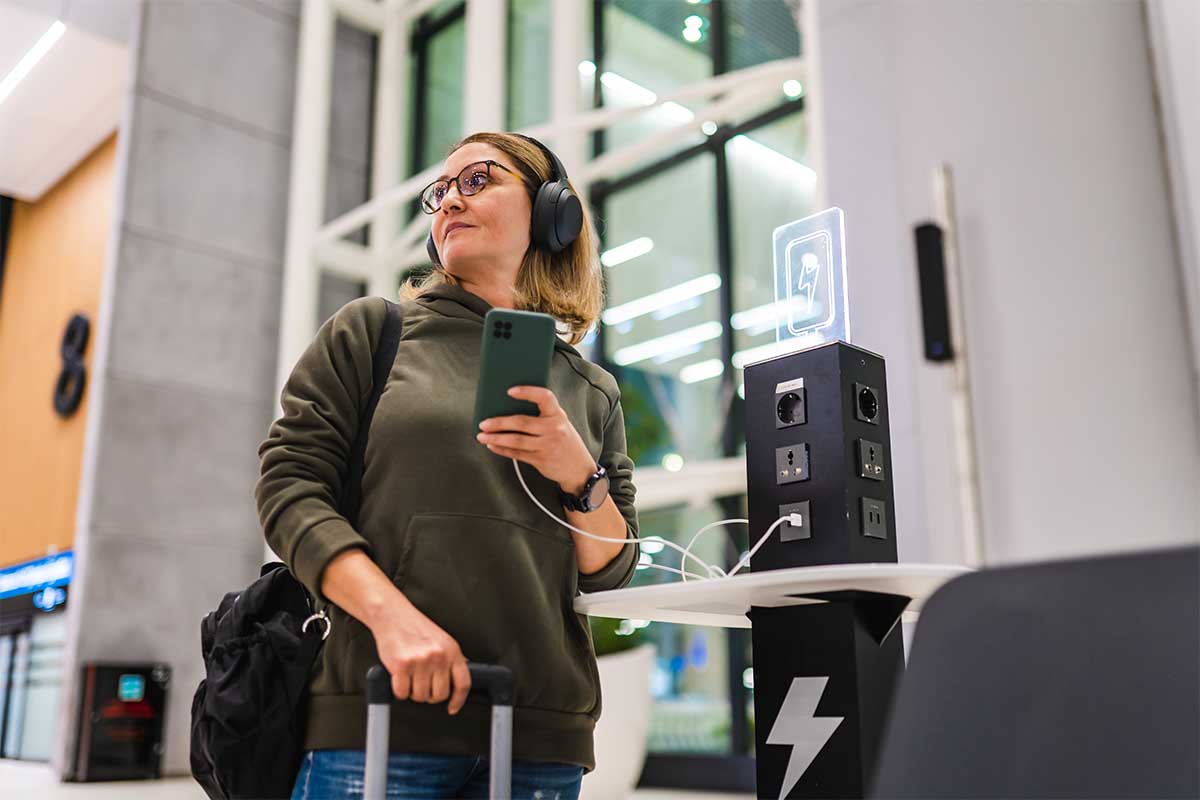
column 724, row 602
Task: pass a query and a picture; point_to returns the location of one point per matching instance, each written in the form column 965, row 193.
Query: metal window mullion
column 309, row 173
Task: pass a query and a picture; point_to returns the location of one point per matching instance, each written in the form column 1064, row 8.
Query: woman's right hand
column 426, row 664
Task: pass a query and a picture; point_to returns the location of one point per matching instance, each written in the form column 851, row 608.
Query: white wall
column 1175, row 44
column 1084, row 402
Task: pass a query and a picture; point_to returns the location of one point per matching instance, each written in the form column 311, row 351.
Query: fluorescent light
column 667, row 297
column 30, row 59
column 627, row 87
column 691, row 34
column 777, row 161
column 627, row 251
column 749, row 356
column 640, row 94
column 702, row 371
column 709, row 128
column 587, row 69
column 691, row 304
column 680, row 340
column 793, row 88
column 767, row 314
column 693, row 21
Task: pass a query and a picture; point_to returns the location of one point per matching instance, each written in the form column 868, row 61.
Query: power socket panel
column 791, row 464
column 870, row 460
column 873, row 514
column 791, row 404
column 789, row 532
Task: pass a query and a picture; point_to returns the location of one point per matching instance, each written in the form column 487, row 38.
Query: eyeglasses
column 471, row 181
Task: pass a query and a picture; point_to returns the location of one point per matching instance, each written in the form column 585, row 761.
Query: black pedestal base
column 823, row 685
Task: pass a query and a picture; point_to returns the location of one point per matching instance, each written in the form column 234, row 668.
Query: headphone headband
column 557, row 171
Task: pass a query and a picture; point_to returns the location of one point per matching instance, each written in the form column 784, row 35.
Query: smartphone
column 517, row 349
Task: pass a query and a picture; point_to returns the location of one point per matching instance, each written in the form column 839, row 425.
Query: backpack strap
column 385, row 356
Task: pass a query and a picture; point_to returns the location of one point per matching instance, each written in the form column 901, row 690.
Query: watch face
column 598, row 493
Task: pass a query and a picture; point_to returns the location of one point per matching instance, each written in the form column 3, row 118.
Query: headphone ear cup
column 568, row 219
column 541, row 219
column 431, row 250
column 557, row 217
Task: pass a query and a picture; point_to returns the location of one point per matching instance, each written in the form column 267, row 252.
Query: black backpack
column 259, row 646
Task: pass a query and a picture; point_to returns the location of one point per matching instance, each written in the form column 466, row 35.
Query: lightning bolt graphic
column 797, row 726
column 808, row 278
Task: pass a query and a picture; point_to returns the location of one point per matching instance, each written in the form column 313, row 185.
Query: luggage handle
column 491, row 682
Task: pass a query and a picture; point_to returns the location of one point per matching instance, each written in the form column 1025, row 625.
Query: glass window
column 528, row 63
column 770, row 184
column 759, row 31
column 646, row 54
column 690, row 684
column 662, row 323
column 441, row 124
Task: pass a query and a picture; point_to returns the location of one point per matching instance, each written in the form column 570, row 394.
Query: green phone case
column 517, row 348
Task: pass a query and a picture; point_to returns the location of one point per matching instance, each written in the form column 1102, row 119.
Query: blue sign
column 34, row 576
column 131, row 688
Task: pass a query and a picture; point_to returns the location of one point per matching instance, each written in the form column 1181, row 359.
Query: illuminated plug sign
column 810, row 281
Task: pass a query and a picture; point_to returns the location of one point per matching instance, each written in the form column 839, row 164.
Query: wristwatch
column 592, row 495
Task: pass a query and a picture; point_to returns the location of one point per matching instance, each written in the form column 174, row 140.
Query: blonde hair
column 567, row 286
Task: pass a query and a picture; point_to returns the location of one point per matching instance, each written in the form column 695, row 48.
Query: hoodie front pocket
column 502, row 591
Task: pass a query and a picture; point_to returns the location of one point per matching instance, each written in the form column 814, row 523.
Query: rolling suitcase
column 493, row 683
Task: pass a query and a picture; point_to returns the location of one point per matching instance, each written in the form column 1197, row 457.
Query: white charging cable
column 713, row 572
column 682, row 563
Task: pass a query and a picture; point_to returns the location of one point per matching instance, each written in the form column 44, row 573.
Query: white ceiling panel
column 64, row 108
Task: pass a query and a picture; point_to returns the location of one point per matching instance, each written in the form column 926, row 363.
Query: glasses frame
column 428, row 208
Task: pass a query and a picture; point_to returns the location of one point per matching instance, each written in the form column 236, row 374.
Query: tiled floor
column 24, row 781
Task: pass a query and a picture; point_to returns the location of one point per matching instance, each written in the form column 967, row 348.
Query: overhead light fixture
column 30, row 59
column 753, row 354
column 702, row 371
column 667, row 297
column 793, row 88
column 776, row 160
column 636, row 92
column 663, row 345
column 672, row 462
column 627, row 251
column 587, row 69
column 692, row 35
column 709, row 128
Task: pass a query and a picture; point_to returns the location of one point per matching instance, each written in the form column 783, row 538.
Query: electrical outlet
column 870, row 460
column 791, row 464
column 866, row 403
column 791, row 404
column 789, row 532
column 874, row 518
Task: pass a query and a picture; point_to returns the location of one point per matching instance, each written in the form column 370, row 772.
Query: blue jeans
column 338, row 775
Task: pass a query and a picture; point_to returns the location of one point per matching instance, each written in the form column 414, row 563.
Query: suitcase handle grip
column 492, row 683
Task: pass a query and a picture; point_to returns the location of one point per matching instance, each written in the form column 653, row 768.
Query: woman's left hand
column 548, row 442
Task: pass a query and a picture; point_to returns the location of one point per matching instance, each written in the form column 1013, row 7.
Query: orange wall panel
column 55, row 262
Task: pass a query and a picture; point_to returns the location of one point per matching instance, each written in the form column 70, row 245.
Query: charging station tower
column 818, row 444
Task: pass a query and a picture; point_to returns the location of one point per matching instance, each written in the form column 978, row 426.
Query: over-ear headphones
column 557, row 215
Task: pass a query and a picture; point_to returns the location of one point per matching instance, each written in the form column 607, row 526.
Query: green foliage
column 645, row 431
column 608, row 641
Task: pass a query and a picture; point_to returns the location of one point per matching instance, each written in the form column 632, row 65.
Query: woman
column 451, row 560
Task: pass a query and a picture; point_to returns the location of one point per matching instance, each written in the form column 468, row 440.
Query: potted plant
column 625, row 660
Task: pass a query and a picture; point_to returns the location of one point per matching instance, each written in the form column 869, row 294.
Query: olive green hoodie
column 448, row 521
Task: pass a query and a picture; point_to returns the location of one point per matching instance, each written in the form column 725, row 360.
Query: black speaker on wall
column 935, row 308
